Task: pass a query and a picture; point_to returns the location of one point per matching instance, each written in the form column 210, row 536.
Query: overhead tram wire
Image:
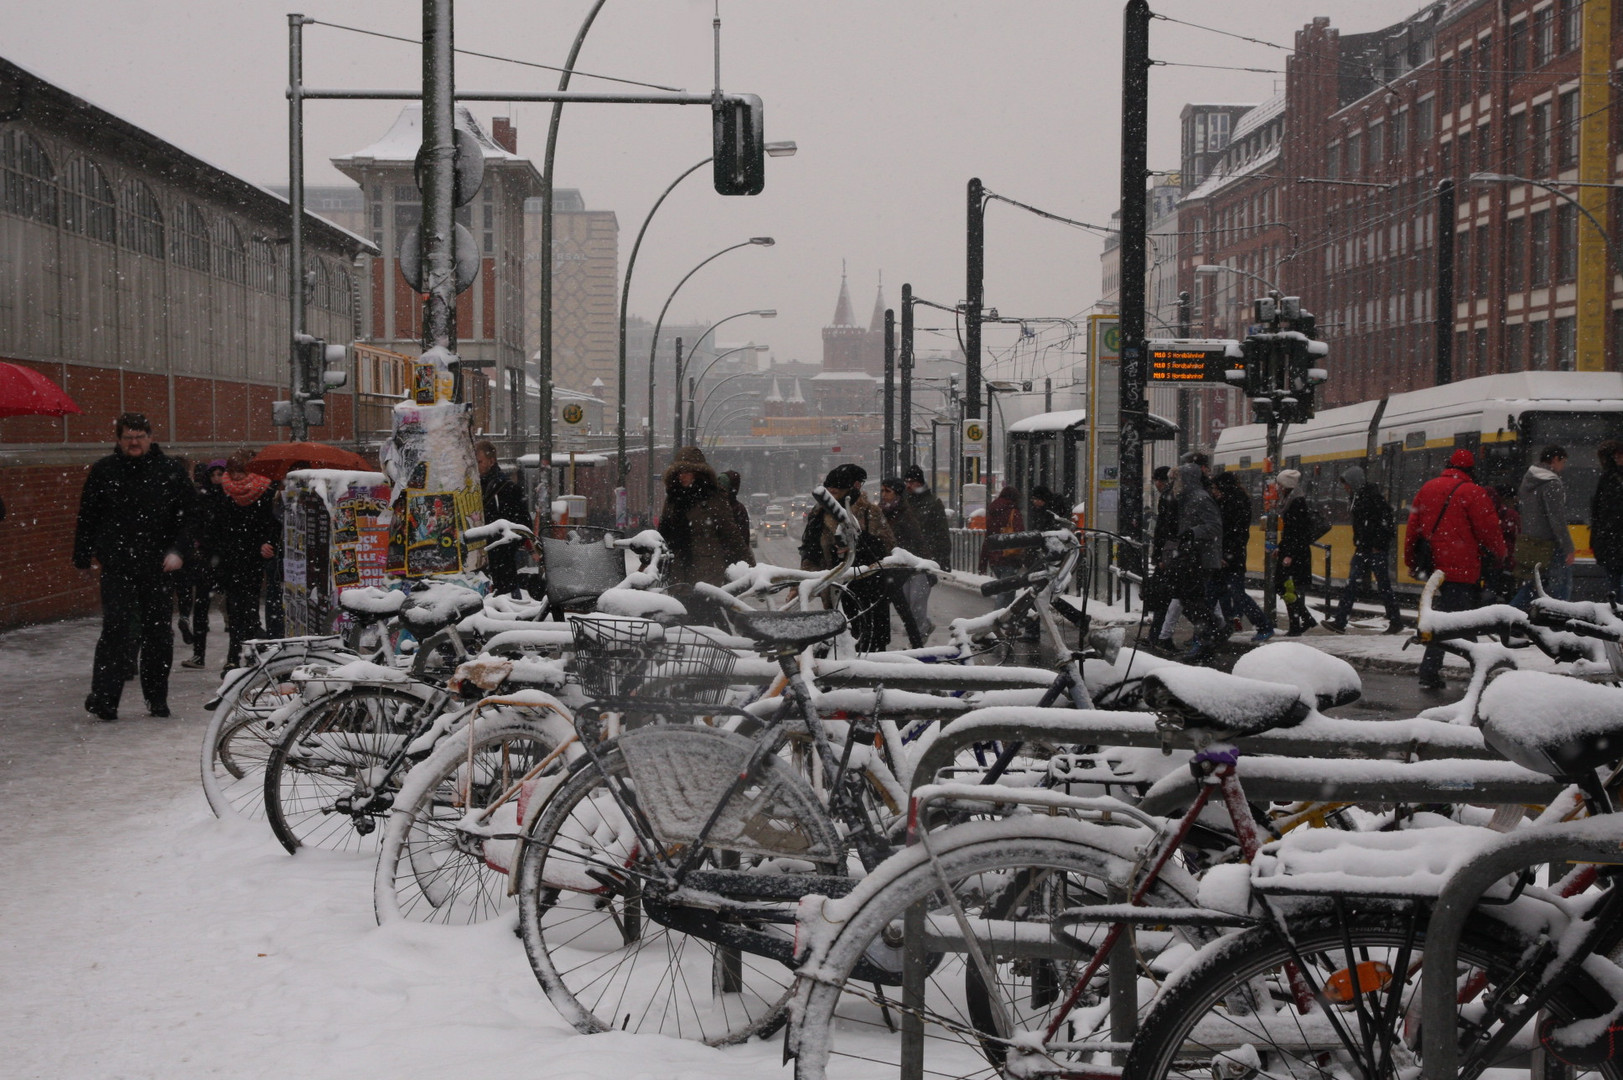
column 492, row 56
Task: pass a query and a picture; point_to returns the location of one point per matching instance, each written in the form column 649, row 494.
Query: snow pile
column 1416, row 862
column 1550, row 723
column 1325, row 681
column 638, row 604
column 372, row 600
column 1227, row 702
column 439, row 603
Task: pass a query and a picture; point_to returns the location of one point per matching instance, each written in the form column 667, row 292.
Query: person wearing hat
column 1456, row 517
column 1545, row 542
column 1293, row 573
column 697, row 522
column 823, row 548
column 1047, row 510
column 935, row 544
column 1374, row 527
column 731, row 483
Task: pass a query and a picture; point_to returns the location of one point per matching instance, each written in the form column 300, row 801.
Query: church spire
column 877, row 322
column 842, row 307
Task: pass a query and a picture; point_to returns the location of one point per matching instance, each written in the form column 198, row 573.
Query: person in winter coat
column 731, row 483
column 1374, row 528
column 1294, row 572
column 503, row 499
column 1003, row 516
column 1545, row 542
column 905, row 528
column 243, row 537
column 135, row 522
column 1499, row 579
column 822, row 547
column 1234, row 504
column 195, row 580
column 1158, row 586
column 1198, row 557
column 1456, row 518
column 698, row 523
column 935, row 544
column 1606, row 516
column 1047, row 510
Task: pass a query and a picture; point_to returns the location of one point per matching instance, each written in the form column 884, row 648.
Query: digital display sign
column 1192, row 362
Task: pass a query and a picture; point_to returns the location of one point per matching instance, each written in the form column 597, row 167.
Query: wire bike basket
column 621, row 658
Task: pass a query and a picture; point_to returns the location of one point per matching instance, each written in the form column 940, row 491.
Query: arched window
column 140, row 220
column 27, row 179
column 343, row 288
column 189, row 241
column 230, row 258
column 87, row 201
column 262, row 266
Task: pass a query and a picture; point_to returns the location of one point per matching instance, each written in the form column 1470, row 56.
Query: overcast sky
column 895, row 104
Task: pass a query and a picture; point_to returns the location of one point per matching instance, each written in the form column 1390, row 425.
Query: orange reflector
column 1372, row 975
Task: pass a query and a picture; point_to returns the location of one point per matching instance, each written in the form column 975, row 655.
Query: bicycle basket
column 578, row 572
column 681, row 774
column 625, row 658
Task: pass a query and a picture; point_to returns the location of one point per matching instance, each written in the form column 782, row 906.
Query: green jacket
column 932, row 521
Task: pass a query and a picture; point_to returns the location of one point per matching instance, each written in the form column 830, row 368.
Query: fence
column 1101, row 569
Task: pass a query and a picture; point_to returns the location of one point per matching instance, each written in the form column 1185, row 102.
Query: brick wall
column 37, row 578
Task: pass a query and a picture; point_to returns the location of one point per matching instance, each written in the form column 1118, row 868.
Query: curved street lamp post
column 682, row 362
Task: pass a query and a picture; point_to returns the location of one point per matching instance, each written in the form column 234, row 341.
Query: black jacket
column 236, row 536
column 1606, row 518
column 1235, row 505
column 1371, row 520
column 134, row 511
column 503, row 498
column 1294, row 526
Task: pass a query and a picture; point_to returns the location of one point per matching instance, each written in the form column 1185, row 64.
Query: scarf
column 245, row 490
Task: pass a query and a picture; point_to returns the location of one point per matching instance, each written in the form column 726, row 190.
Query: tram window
column 1580, row 434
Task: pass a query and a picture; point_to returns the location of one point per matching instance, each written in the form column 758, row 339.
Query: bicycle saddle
column 433, row 605
column 1553, row 724
column 371, row 604
column 783, row 629
column 1229, row 704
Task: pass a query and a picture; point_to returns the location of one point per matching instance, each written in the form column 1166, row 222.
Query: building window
column 1516, row 143
column 189, row 240
column 140, row 220
column 1570, row 127
column 1566, row 242
column 87, row 201
column 1479, row 351
column 1484, row 258
column 1518, row 47
column 27, row 178
column 262, row 266
column 1445, row 89
column 1566, row 343
column 1466, row 73
column 1515, row 253
column 1218, row 126
column 1355, row 155
column 1538, row 249
column 1425, row 120
column 1515, row 347
column 1538, row 345
column 230, row 258
column 1543, row 36
column 1572, row 27
column 1462, row 152
column 1400, row 125
column 1538, row 139
column 1484, row 143
column 1377, row 144
column 1462, row 264
column 1332, row 162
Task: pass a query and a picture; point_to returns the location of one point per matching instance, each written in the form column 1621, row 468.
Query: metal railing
column 966, row 549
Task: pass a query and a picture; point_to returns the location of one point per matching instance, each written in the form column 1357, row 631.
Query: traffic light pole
column 974, row 301
column 905, row 361
column 295, row 199
column 1134, row 403
column 438, row 185
column 887, row 456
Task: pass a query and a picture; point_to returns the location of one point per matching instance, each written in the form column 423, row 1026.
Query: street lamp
column 724, row 419
column 653, row 348
column 683, row 361
column 785, row 148
column 714, row 360
column 1209, row 269
column 696, row 411
column 1554, row 188
column 721, row 405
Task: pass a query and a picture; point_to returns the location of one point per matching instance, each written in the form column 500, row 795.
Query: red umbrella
column 25, row 392
column 276, row 459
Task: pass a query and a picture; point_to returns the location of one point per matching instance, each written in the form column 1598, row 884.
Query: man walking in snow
column 1545, row 542
column 1374, row 526
column 133, row 521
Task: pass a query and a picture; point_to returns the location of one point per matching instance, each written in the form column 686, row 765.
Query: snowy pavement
column 143, row 938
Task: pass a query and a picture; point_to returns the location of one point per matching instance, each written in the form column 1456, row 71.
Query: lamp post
column 653, row 349
column 701, row 421
column 784, row 148
column 714, row 360
column 683, row 361
column 697, row 410
column 723, row 419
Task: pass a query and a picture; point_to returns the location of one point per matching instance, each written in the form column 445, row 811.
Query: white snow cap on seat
column 1531, row 716
column 1324, row 680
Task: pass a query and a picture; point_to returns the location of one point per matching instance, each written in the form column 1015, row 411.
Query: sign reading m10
column 1194, row 360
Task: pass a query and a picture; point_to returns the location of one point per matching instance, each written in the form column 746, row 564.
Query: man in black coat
column 133, row 521
column 503, row 499
column 1374, row 525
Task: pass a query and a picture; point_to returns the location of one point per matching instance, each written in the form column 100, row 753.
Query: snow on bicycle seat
column 1325, row 681
column 1411, row 863
column 1553, row 724
column 786, row 628
column 1214, row 701
column 371, row 601
column 432, row 605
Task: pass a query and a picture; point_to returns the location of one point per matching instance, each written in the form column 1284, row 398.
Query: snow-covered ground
column 142, row 938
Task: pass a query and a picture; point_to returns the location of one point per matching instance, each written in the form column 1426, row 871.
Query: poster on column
column 435, row 497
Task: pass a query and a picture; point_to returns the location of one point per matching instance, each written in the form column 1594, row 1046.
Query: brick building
column 139, row 278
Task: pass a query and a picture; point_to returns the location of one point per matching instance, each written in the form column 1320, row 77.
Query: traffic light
column 739, row 144
column 321, row 367
column 1285, row 364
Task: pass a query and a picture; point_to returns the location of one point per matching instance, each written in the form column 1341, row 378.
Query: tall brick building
column 139, row 278
column 585, row 293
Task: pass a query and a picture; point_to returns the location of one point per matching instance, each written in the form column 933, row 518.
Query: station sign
column 1201, row 360
column 974, row 444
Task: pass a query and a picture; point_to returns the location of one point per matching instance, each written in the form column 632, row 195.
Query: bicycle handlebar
column 1016, row 540
column 1010, row 584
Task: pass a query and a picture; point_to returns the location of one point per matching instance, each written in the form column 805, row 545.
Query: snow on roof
column 1258, row 116
column 1221, row 178
column 1050, row 421
column 843, row 376
column 405, row 138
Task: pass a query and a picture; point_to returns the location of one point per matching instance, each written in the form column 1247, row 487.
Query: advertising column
column 1103, row 483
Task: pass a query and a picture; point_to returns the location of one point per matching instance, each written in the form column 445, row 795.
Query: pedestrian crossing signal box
column 1194, row 360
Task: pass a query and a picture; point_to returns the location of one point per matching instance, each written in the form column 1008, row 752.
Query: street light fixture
column 683, row 361
column 720, row 406
column 1554, row 188
column 1210, row 269
column 653, row 349
column 714, row 360
column 697, row 408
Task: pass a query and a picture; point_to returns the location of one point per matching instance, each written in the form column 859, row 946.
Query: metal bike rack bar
column 1597, row 839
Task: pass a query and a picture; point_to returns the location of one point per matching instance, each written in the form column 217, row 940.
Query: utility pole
column 907, row 375
column 1445, row 282
column 974, row 301
column 1135, row 99
column 1185, row 394
column 439, row 198
column 295, row 198
column 887, row 456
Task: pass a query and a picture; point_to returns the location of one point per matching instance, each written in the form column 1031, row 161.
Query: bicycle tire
column 983, row 860
column 320, row 756
column 604, row 962
column 429, row 870
column 1214, row 1001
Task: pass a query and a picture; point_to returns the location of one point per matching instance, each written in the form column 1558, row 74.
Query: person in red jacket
column 1457, row 516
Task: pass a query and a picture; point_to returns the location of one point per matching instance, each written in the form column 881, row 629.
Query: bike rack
column 1597, row 839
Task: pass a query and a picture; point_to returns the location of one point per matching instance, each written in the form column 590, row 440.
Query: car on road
column 775, row 521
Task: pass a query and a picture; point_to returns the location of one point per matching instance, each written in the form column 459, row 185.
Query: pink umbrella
column 25, row 392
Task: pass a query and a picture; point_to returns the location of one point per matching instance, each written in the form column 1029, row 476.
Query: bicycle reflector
column 1372, row 975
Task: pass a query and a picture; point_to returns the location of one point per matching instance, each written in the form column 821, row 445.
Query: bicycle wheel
column 1230, row 1014
column 241, row 733
column 327, row 784
column 436, row 865
column 1004, row 876
column 600, row 949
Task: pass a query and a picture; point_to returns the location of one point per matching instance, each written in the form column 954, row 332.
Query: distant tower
column 843, row 338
